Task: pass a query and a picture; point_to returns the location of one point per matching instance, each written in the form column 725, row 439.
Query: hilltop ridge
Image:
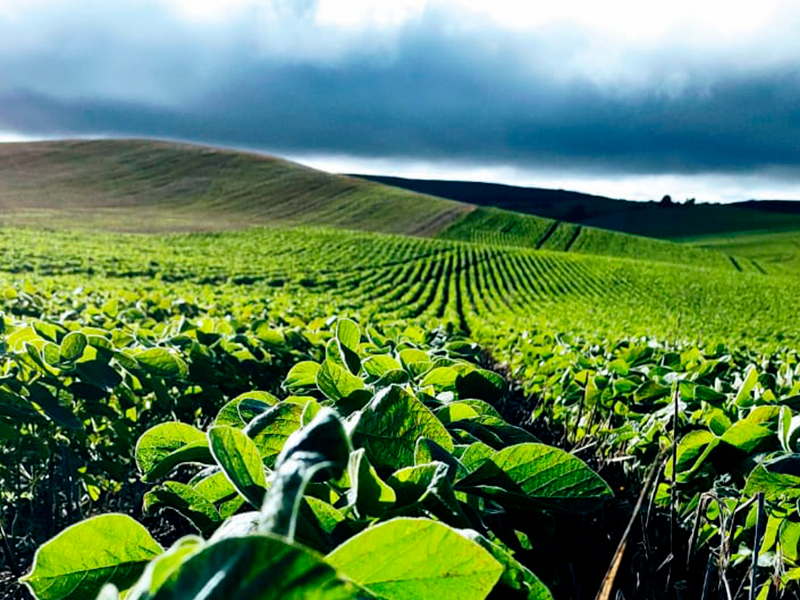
column 157, row 186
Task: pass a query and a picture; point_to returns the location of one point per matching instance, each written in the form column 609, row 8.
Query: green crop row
column 106, row 336
column 386, row 473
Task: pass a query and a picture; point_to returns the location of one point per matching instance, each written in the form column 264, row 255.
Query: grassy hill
column 137, row 185
column 770, row 250
column 650, row 219
column 151, row 186
column 506, row 228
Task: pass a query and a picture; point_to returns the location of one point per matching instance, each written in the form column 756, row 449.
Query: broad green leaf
column 240, row 461
column 380, row 364
column 746, row 436
column 337, row 382
column 229, row 415
column 44, row 399
column 481, row 384
column 690, row 447
column 348, row 337
column 368, row 492
column 441, row 378
column 322, row 449
column 162, row 363
column 165, row 446
column 417, row 559
column 187, row 501
column 428, row 451
column 428, row 485
column 748, row 384
column 252, row 404
column 475, row 455
column 219, row 491
column 98, row 373
column 776, row 486
column 162, row 567
column 256, row 567
column 326, row 516
column 540, row 474
column 390, row 426
column 415, row 360
column 456, row 411
column 72, row 346
column 270, row 430
column 80, row 560
column 516, row 576
column 302, row 376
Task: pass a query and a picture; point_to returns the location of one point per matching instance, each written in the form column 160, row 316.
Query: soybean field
column 234, row 368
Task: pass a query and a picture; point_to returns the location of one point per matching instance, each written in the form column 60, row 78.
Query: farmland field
column 499, row 385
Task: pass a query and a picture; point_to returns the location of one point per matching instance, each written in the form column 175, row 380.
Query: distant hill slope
column 650, row 219
column 507, row 228
column 778, row 206
column 150, row 186
column 773, row 251
column 141, row 185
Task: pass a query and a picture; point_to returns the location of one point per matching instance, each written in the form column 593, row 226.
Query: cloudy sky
column 629, row 98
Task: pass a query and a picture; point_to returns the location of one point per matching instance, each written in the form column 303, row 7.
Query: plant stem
column 756, row 545
column 10, row 555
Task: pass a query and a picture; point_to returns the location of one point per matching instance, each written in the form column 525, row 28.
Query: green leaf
column 302, row 376
column 380, row 364
column 256, row 567
column 516, row 576
column 72, row 346
column 271, row 430
column 165, row 446
column 80, row 560
column 162, row 567
column 746, row 436
column 187, row 501
column 690, row 448
column 240, row 461
column 348, row 337
column 252, row 404
column 162, row 363
column 325, row 515
column 390, row 426
column 219, row 491
column 475, row 455
column 441, row 378
column 481, row 384
column 748, row 384
column 776, row 486
column 321, row 449
column 368, row 492
column 428, row 485
column 99, row 374
column 417, row 559
column 539, row 474
column 415, row 361
column 337, row 382
column 62, row 415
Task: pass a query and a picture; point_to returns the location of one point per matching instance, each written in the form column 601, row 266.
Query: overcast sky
column 620, row 97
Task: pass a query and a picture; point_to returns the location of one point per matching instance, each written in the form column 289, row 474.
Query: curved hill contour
column 156, row 186
column 143, row 185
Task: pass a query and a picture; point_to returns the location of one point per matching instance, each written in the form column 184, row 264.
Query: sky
column 630, row 99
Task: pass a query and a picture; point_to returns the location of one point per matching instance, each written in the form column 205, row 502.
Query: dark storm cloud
column 479, row 96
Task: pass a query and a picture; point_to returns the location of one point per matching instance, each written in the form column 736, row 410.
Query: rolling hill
column 139, row 185
column 650, row 219
column 154, row 186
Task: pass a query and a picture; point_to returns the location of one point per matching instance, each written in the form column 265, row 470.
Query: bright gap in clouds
column 624, row 19
column 707, row 187
column 10, row 136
